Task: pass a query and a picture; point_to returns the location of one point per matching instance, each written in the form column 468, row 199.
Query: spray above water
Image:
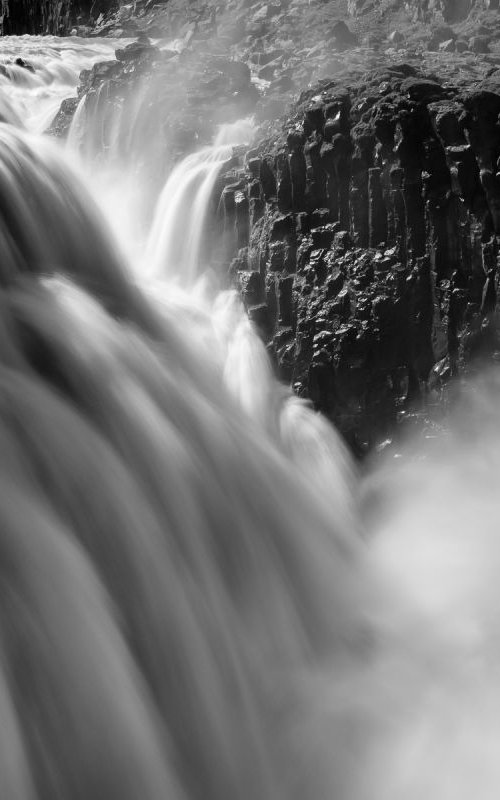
column 187, row 608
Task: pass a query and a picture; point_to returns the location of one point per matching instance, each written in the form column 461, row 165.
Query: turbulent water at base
column 199, row 599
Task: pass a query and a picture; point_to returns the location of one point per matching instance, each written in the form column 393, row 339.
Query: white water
column 176, row 234
column 188, row 609
column 175, row 242
column 36, row 97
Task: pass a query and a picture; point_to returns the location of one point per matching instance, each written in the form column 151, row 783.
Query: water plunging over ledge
column 175, row 241
column 199, row 600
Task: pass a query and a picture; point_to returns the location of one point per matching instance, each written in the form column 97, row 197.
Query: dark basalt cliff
column 368, row 234
column 50, row 16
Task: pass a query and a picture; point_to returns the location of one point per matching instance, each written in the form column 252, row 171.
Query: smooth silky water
column 200, row 598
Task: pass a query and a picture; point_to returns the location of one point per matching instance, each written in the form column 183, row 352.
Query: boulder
column 421, row 89
column 20, row 62
column 137, row 50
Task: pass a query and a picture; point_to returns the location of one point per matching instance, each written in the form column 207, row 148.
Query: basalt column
column 397, row 233
column 409, row 153
column 40, row 16
column 377, row 214
column 298, row 170
column 362, row 161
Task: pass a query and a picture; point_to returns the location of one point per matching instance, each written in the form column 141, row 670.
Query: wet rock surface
column 362, row 226
column 18, row 17
column 374, row 261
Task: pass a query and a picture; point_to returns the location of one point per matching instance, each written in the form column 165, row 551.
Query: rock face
column 41, row 16
column 449, row 11
column 371, row 259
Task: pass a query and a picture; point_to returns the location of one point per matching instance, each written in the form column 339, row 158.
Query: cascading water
column 53, row 66
column 174, row 245
column 187, row 607
column 176, row 237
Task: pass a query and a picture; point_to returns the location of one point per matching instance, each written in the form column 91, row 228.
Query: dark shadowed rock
column 421, row 89
column 137, row 50
column 20, row 62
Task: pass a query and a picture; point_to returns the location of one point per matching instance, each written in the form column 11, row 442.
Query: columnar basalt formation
column 43, row 16
column 373, row 260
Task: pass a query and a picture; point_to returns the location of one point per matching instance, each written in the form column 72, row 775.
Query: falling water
column 199, row 597
column 176, row 238
column 183, row 205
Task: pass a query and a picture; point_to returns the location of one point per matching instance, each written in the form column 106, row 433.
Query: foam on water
column 57, row 62
column 199, row 597
column 121, row 144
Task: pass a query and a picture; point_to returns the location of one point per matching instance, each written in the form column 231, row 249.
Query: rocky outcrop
column 449, row 11
column 191, row 91
column 371, row 259
column 41, row 16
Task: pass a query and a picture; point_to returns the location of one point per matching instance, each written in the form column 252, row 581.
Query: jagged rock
column 99, row 7
column 38, row 16
column 136, row 50
column 398, row 179
column 62, row 120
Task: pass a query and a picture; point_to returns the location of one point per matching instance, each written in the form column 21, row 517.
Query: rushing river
column 36, row 96
column 199, row 599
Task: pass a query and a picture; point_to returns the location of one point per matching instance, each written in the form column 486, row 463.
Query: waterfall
column 175, row 239
column 200, row 596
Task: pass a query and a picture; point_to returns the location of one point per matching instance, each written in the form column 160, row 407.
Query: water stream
column 198, row 598
column 36, row 96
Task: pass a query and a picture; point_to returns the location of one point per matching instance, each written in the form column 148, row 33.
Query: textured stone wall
column 449, row 11
column 368, row 244
column 41, row 16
